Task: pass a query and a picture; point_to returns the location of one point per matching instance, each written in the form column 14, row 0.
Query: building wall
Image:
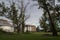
column 25, row 29
column 33, row 29
column 5, row 26
column 30, row 28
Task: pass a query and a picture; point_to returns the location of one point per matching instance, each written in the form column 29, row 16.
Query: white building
column 5, row 25
column 30, row 28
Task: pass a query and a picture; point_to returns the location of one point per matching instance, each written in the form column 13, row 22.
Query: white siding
column 7, row 28
column 30, row 29
column 25, row 29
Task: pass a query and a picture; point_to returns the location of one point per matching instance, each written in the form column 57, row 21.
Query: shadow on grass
column 46, row 35
column 7, row 33
column 50, row 35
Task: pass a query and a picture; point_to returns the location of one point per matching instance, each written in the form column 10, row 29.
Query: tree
column 45, row 5
column 57, row 9
column 22, row 15
column 14, row 16
column 3, row 9
column 22, row 9
column 11, row 14
column 37, row 29
column 43, row 23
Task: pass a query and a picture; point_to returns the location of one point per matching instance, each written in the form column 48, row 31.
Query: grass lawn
column 31, row 36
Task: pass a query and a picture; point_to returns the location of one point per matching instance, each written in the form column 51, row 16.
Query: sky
column 34, row 12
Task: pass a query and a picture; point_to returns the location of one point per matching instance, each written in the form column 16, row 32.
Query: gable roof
column 30, row 26
column 5, row 21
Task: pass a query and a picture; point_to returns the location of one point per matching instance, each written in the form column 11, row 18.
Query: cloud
column 34, row 12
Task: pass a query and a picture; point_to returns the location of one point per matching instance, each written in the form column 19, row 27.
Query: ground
column 30, row 36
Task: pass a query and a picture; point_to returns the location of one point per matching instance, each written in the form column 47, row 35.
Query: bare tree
column 23, row 10
column 21, row 15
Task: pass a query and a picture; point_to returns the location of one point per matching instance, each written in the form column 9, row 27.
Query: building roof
column 4, row 23
column 30, row 25
column 4, row 18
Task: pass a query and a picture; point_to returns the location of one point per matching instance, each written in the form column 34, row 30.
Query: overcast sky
column 34, row 12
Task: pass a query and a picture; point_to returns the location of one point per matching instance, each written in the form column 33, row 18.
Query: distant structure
column 30, row 28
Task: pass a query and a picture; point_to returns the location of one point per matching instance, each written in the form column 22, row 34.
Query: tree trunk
column 54, row 32
column 23, row 29
column 23, row 25
column 18, row 28
column 27, row 29
column 45, row 30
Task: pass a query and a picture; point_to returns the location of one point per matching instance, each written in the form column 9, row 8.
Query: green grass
column 31, row 36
